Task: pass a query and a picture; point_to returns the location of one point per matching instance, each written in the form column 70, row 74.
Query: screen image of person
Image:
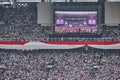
column 92, row 20
column 60, row 21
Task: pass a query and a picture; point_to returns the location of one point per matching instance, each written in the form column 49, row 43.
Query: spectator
column 75, row 64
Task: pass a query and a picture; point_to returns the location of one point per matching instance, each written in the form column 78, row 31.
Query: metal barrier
column 62, row 39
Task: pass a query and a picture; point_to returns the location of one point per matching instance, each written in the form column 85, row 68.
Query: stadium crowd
column 77, row 64
column 20, row 23
column 112, row 32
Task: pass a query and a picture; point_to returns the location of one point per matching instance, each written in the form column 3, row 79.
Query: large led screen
column 75, row 21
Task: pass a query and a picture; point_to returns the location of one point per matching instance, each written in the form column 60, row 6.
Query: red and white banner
column 57, row 45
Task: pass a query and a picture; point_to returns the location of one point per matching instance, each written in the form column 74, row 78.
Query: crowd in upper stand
column 60, row 65
column 112, row 32
column 20, row 23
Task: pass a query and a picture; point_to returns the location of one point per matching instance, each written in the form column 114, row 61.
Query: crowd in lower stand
column 60, row 65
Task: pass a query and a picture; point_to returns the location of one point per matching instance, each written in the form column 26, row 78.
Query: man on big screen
column 60, row 21
column 92, row 20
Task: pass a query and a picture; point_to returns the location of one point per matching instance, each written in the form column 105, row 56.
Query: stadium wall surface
column 112, row 13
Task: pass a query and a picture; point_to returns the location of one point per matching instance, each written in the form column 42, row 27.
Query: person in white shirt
column 91, row 21
column 60, row 21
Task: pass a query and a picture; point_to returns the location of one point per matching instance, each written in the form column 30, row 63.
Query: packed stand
column 111, row 32
column 21, row 23
column 60, row 64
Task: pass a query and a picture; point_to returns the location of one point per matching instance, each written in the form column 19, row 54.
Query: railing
column 63, row 39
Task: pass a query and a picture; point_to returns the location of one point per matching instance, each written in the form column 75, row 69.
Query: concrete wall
column 45, row 13
column 112, row 13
